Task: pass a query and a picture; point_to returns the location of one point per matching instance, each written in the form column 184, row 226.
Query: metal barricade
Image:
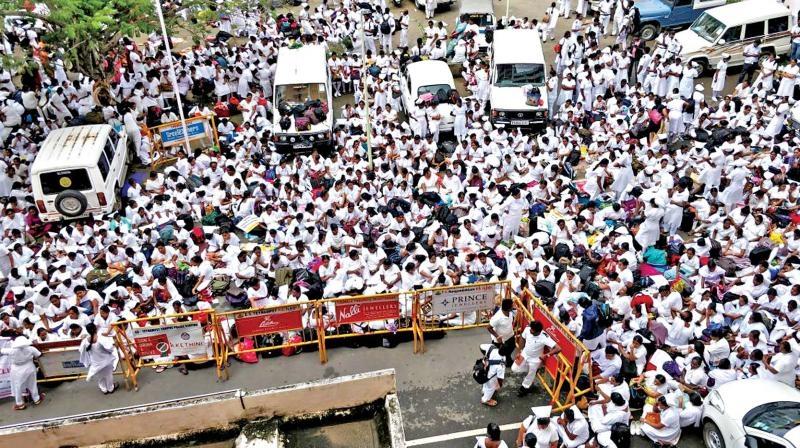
column 60, row 361
column 559, row 378
column 458, row 307
column 269, row 329
column 167, row 340
column 390, row 315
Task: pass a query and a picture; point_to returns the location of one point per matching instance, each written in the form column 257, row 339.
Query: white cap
column 542, row 411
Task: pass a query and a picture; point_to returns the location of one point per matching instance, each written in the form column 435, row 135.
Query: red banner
column 568, row 348
column 365, row 309
column 269, row 321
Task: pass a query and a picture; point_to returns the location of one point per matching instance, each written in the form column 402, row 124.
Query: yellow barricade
column 272, row 328
column 389, row 314
column 166, row 340
column 559, row 376
column 458, row 307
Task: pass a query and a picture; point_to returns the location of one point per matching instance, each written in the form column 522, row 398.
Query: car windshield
column 442, row 92
column 482, row 20
column 775, row 418
column 299, row 93
column 707, row 27
column 518, row 75
column 55, row 182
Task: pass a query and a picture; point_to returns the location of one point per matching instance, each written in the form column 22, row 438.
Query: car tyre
column 712, row 436
column 71, row 203
column 649, row 31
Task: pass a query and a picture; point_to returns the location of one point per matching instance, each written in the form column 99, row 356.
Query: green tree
column 89, row 30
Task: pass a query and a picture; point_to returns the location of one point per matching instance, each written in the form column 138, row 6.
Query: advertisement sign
column 563, row 340
column 173, row 133
column 269, row 321
column 463, row 299
column 5, row 370
column 179, row 339
column 365, row 309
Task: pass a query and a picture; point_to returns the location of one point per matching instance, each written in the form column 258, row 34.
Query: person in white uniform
column 572, row 428
column 540, row 425
column 497, row 372
column 98, row 354
column 536, row 344
column 668, row 429
column 23, row 371
column 491, row 439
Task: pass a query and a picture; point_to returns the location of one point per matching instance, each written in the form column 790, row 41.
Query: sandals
column 160, row 369
column 41, row 399
column 20, row 407
column 490, row 403
column 183, row 370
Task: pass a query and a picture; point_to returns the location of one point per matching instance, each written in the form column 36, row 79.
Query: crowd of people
column 658, row 224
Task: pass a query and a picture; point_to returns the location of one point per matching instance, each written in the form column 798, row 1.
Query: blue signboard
column 174, row 135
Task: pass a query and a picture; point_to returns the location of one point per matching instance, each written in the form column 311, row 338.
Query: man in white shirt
column 751, row 54
column 536, row 344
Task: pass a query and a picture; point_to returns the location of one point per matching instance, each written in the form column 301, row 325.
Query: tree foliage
column 89, row 30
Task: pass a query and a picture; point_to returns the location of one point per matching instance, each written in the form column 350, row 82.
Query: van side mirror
column 722, row 42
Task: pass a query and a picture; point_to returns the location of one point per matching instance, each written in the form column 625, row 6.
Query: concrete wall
column 190, row 415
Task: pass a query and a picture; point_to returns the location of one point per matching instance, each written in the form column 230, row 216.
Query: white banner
column 179, row 339
column 463, row 299
column 5, row 370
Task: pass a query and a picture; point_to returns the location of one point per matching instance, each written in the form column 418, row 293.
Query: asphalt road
column 437, row 394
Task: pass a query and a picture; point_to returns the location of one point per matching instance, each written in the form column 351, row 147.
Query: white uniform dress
column 671, row 431
column 23, row 370
column 786, row 88
column 101, row 360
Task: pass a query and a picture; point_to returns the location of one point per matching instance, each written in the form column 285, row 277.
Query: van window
column 752, row 30
column 102, row 163
column 518, row 75
column 733, row 34
column 482, row 20
column 684, row 2
column 777, row 25
column 55, row 182
column 109, row 149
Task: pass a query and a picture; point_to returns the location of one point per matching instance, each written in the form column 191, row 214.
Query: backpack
column 480, row 371
column 604, row 318
column 385, row 27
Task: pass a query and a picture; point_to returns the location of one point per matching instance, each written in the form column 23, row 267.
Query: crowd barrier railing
column 60, row 361
column 559, row 377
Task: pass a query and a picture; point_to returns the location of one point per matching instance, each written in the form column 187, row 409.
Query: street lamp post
column 172, row 75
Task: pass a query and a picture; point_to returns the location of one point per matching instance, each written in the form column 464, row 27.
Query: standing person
column 99, row 355
column 405, row 21
column 496, row 374
column 460, row 121
column 550, row 20
column 604, row 10
column 430, row 8
column 536, row 344
column 788, row 79
column 501, row 327
column 515, row 206
column 718, row 81
column 491, row 439
column 566, row 6
column 592, row 334
column 751, row 54
column 23, row 371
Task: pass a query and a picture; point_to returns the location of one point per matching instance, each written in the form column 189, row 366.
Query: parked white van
column 481, row 13
column 730, row 28
column 518, row 64
column 79, row 171
column 302, row 86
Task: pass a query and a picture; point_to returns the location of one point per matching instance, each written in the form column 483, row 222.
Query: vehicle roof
column 743, row 395
column 429, row 73
column 71, row 147
column 747, row 11
column 517, row 47
column 476, row 7
column 302, row 65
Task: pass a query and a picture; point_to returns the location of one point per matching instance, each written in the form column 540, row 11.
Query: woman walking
column 99, row 355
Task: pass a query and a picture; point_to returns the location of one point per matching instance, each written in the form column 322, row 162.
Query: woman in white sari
column 99, row 355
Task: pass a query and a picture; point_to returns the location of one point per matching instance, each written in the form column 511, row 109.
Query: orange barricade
column 166, row 340
column 279, row 328
column 389, row 315
column 458, row 307
column 561, row 372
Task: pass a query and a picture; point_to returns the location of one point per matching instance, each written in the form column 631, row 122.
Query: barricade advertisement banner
column 462, row 299
column 269, row 321
column 5, row 370
column 365, row 309
column 179, row 339
column 568, row 348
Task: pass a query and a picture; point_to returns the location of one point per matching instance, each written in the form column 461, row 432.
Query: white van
column 518, row 64
column 79, row 171
column 480, row 12
column 730, row 28
column 429, row 77
column 302, row 78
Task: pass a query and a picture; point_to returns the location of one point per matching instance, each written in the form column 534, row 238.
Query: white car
column 435, row 78
column 752, row 413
